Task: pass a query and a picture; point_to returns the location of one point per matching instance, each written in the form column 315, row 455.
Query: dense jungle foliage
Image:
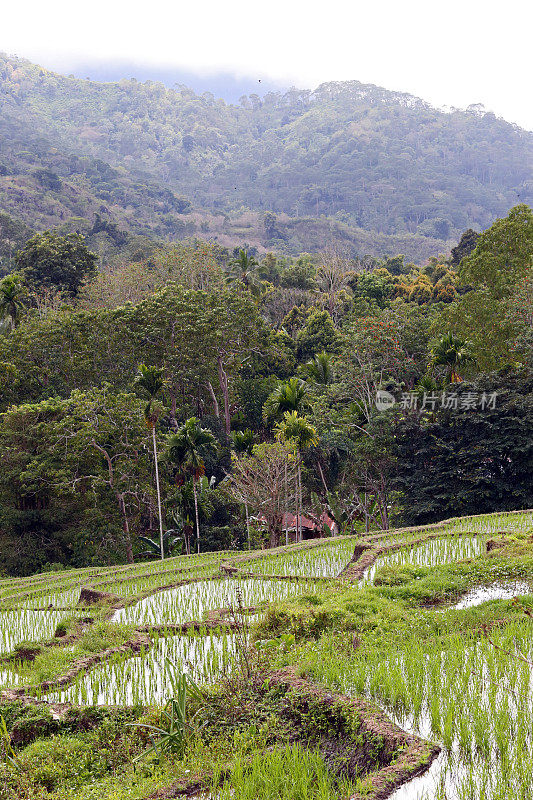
column 191, row 399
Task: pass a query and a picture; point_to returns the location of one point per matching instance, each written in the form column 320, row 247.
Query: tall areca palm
column 150, row 380
column 452, row 352
column 186, row 449
column 12, row 292
column 289, row 395
column 299, row 430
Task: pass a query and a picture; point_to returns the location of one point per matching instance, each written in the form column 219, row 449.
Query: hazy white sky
column 451, row 53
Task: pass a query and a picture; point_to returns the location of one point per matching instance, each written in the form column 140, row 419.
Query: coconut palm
column 244, row 268
column 452, row 352
column 12, row 293
column 299, row 430
column 288, row 395
column 186, row 450
column 150, row 381
column 320, row 369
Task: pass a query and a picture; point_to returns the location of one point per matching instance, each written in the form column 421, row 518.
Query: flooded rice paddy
column 505, row 590
column 146, row 679
column 428, row 554
column 27, row 626
column 325, row 561
column 193, row 601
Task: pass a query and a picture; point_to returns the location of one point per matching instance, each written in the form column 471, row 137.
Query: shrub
column 56, row 761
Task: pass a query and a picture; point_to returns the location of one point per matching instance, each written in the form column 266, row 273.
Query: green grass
column 287, row 773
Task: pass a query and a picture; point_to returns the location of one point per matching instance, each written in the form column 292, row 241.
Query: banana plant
column 334, row 509
column 172, row 539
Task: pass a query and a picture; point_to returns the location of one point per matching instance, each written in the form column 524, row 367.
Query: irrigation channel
column 475, row 701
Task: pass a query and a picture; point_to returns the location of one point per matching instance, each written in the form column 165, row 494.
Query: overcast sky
column 450, row 53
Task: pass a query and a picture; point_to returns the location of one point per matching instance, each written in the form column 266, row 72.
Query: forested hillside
column 194, row 400
column 376, row 171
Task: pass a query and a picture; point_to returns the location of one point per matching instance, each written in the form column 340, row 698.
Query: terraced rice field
column 475, row 700
column 430, row 554
column 323, row 562
column 26, row 626
column 451, row 680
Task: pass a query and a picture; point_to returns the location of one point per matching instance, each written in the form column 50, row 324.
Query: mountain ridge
column 347, row 155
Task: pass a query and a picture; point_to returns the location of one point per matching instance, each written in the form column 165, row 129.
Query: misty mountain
column 375, row 170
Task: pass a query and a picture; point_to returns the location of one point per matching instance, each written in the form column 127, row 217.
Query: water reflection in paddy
column 194, row 600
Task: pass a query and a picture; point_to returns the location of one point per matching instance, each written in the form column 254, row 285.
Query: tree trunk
column 297, row 514
column 275, row 533
column 196, row 513
column 126, row 529
column 324, row 484
column 382, row 499
column 158, row 495
column 247, row 523
column 385, row 511
column 187, row 538
column 214, row 399
column 300, row 495
column 173, row 408
column 286, row 507
column 223, row 379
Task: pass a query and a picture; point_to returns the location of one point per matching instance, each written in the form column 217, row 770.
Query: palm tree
column 288, row 395
column 320, row 369
column 186, row 449
column 428, row 385
column 242, row 441
column 452, row 352
column 244, row 268
column 12, row 292
column 299, row 430
column 150, row 380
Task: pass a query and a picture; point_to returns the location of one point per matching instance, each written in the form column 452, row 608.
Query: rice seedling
column 430, row 553
column 520, row 523
column 148, row 678
column 474, row 697
column 176, row 723
column 471, row 693
column 281, row 774
column 27, row 626
column 194, row 600
column 324, row 561
column 62, row 588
